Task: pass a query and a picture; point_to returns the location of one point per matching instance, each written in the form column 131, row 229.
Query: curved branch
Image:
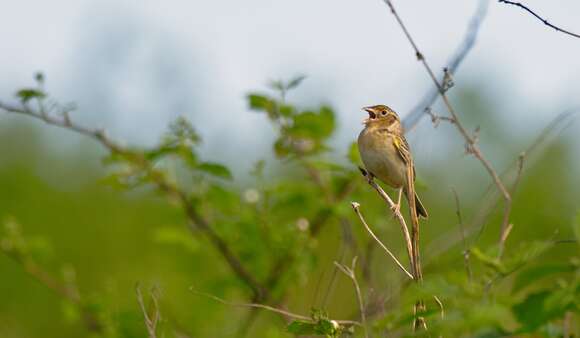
column 471, row 144
column 545, row 21
column 356, row 208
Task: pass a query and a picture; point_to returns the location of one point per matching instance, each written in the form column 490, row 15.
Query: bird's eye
column 384, row 113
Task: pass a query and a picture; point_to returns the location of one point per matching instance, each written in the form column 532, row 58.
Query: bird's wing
column 404, row 151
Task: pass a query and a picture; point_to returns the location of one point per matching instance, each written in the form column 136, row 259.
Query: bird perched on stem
column 386, row 153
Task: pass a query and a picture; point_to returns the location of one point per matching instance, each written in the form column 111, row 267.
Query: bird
column 386, row 154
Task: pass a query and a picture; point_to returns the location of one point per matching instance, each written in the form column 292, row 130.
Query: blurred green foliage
column 286, row 224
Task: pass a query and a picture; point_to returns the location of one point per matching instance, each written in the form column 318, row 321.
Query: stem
column 356, row 208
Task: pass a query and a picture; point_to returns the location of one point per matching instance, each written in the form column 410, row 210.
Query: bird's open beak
column 372, row 114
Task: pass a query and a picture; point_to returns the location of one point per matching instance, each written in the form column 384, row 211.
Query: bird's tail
column 421, row 211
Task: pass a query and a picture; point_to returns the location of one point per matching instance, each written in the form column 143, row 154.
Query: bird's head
column 383, row 117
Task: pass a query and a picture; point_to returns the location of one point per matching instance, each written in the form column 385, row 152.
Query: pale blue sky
column 132, row 66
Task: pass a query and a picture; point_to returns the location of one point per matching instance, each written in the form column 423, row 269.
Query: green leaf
column 283, row 87
column 325, row 327
column 215, row 169
column 181, row 131
column 39, row 77
column 488, row 260
column 313, row 125
column 525, row 253
column 286, row 110
column 533, row 274
column 182, row 151
column 295, row 82
column 28, row 94
column 281, row 148
column 541, row 307
column 320, row 327
column 178, row 236
column 531, row 312
column 260, row 102
column 300, row 327
column 278, row 85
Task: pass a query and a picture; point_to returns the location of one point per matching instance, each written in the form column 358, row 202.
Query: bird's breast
column 381, row 158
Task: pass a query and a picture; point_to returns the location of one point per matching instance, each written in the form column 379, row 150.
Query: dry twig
column 472, row 146
column 350, row 272
column 505, row 231
column 448, row 239
column 396, row 212
column 356, row 208
column 150, row 321
column 269, row 308
column 545, row 21
column 463, row 237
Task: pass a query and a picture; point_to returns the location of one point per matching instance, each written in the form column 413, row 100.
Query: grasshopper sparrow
column 385, row 152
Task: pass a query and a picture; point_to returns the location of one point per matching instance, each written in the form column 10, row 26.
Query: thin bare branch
column 350, row 272
column 441, row 307
column 356, row 208
column 545, row 21
column 505, row 231
column 436, row 119
column 470, row 140
column 466, row 45
column 448, row 239
column 395, row 210
column 463, row 237
column 150, row 322
column 269, row 308
column 195, row 218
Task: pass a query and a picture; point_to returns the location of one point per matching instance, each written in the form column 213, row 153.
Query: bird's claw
column 396, row 209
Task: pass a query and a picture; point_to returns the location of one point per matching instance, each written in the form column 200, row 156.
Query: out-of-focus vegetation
column 78, row 235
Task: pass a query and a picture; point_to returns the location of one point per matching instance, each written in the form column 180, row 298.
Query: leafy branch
column 18, row 248
column 143, row 169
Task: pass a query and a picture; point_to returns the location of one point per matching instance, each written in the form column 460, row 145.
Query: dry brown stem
column 356, row 208
column 466, row 252
column 151, row 321
column 471, row 143
column 507, row 228
column 396, row 213
column 350, row 272
column 270, row 308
